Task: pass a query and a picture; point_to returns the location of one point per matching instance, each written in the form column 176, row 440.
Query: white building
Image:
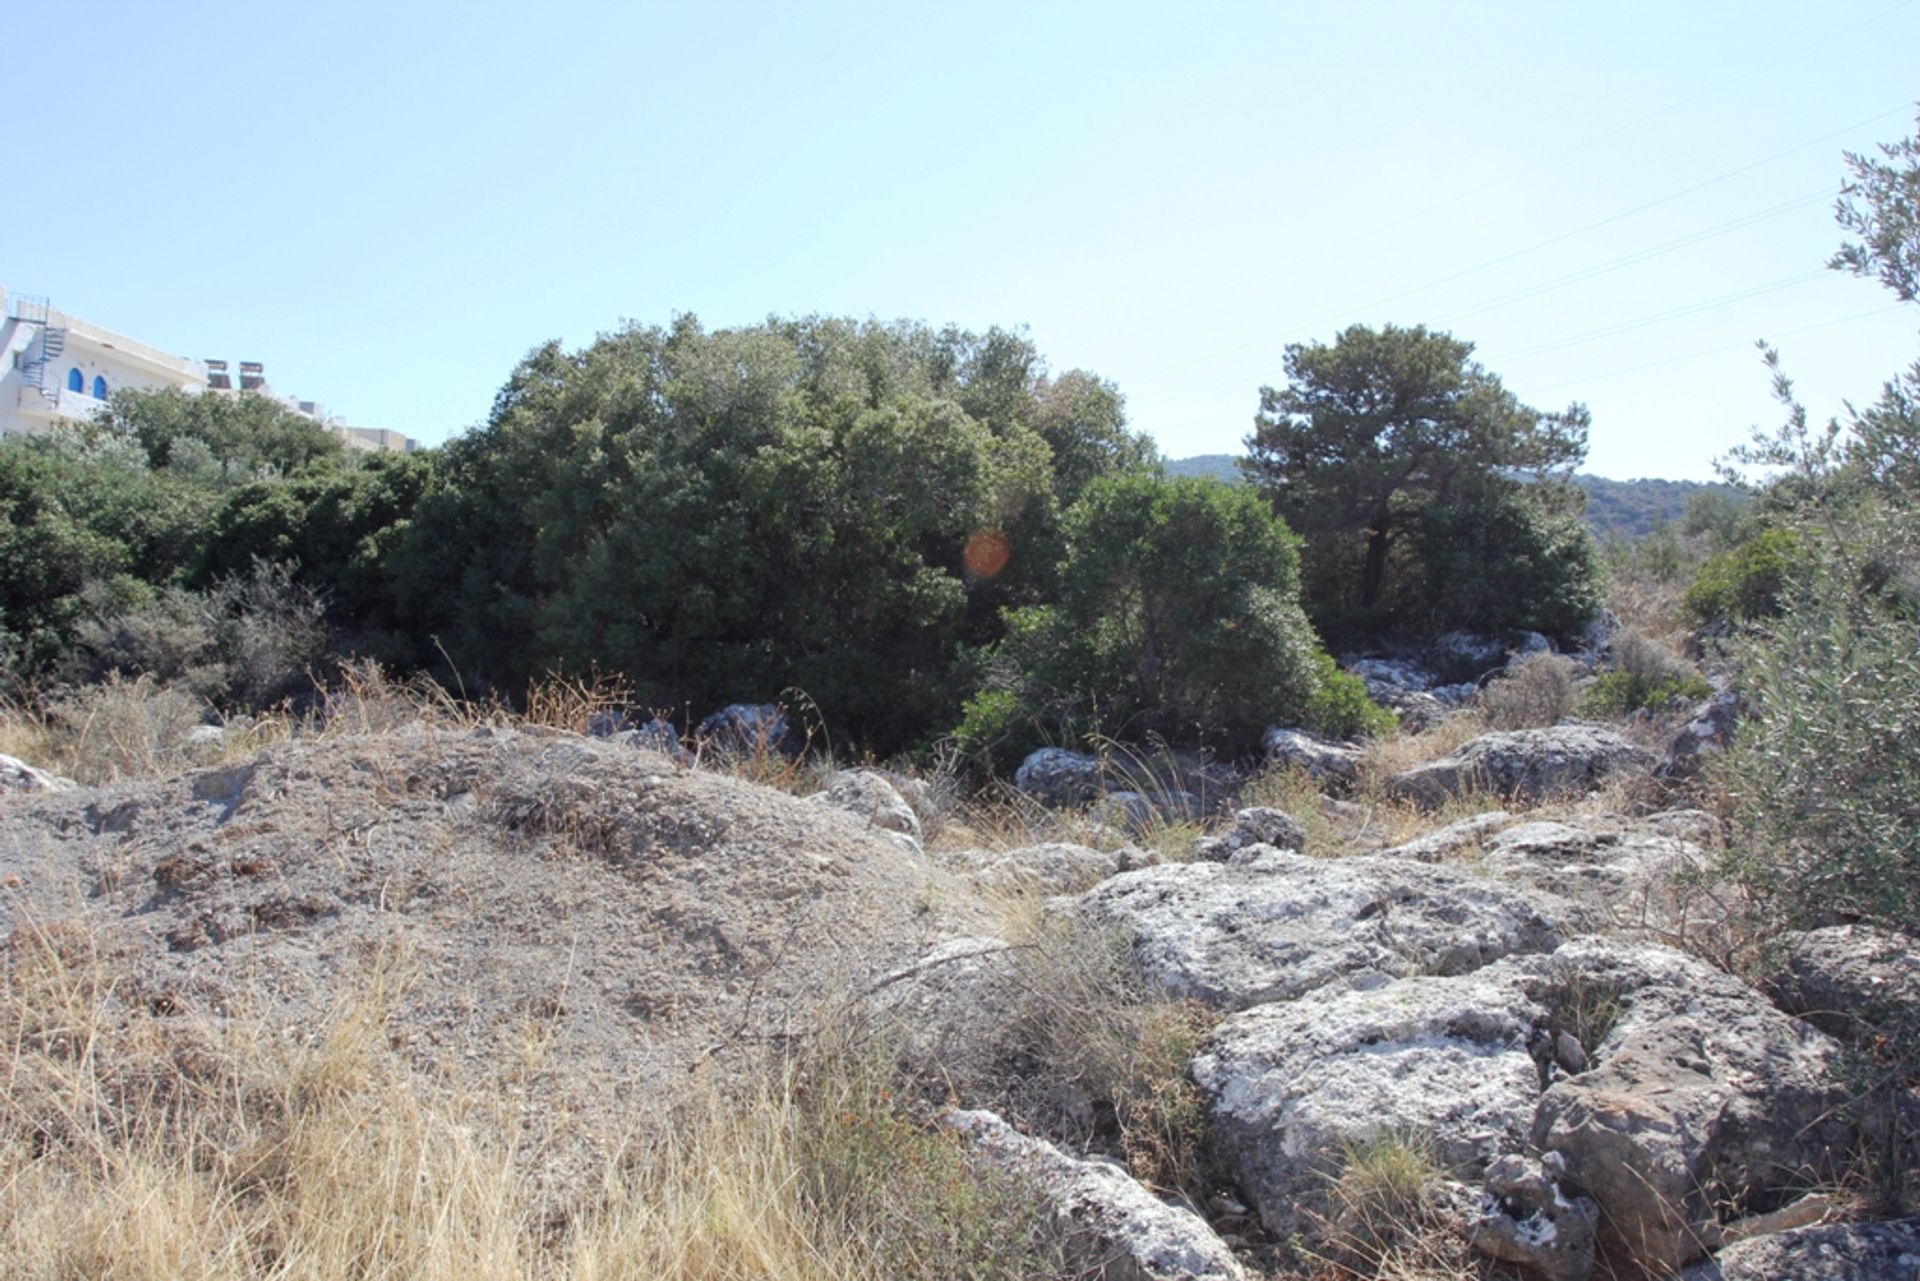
column 55, row 367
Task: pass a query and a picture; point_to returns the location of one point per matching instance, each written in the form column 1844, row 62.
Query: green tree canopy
column 1371, row 432
column 727, row 515
column 1178, row 617
column 220, row 439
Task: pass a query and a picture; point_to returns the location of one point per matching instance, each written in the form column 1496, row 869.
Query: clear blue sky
column 389, row 204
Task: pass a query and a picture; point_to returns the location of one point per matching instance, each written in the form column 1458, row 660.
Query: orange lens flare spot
column 987, row 553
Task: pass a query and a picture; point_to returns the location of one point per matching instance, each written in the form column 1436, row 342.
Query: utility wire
column 1498, row 260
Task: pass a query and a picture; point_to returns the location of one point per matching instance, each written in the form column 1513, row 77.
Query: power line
column 1668, row 198
column 1716, row 351
column 1657, row 318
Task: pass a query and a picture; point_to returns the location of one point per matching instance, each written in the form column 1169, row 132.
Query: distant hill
column 1615, row 508
column 1219, row 466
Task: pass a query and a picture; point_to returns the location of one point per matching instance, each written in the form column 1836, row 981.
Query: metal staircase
column 52, row 343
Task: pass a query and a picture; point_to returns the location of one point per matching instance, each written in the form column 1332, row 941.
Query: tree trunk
column 1375, row 574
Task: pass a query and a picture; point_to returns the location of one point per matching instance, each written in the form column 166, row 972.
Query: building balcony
column 73, row 406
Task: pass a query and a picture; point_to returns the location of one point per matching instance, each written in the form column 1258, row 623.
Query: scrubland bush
column 1538, row 691
column 1645, row 674
column 1179, row 619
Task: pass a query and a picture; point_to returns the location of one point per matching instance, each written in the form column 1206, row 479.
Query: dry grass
column 1381, row 1218
column 1371, row 818
column 1538, row 691
column 135, row 1145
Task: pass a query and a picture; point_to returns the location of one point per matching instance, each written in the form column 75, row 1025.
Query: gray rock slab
column 1531, row 764
column 1281, row 924
column 1293, row 1086
column 1113, row 1228
column 1843, row 1252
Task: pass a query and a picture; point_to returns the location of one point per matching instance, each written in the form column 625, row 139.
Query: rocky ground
column 1502, row 991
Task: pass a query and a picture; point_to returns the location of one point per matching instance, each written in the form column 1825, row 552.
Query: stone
column 1702, row 1102
column 1258, row 825
column 1061, row 777
column 871, row 797
column 1112, row 1228
column 1532, row 764
column 18, row 776
column 1605, row 864
column 1851, row 981
column 1056, row 867
column 1525, row 1217
column 1292, row 1086
column 1441, row 844
column 656, row 735
column 749, row 729
column 1842, row 1252
column 1703, row 737
column 1281, row 924
column 1322, row 759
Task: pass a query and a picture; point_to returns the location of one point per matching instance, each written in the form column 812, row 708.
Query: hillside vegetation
column 377, row 899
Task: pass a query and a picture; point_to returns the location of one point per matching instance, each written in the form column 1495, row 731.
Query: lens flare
column 987, row 553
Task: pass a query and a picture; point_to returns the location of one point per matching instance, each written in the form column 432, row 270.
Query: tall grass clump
column 146, row 1146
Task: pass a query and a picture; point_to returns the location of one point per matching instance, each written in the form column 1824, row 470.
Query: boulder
column 1465, row 656
column 1533, row 764
column 1059, row 776
column 1701, row 1103
column 1112, row 1228
column 1057, row 867
column 1524, row 1216
column 1293, row 1086
column 18, row 776
column 871, row 797
column 1441, row 844
column 1843, row 1252
column 1607, row 863
column 1280, row 924
column 946, row 1013
column 1259, row 825
column 749, row 729
column 1851, row 981
column 1321, row 758
column 1704, row 736
column 656, row 735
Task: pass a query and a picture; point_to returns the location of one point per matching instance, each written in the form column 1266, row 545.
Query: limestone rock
column 1531, row 763
column 1850, row 981
column 1059, row 776
column 1113, row 1228
column 1704, row 736
column 1291, row 1084
column 1845, row 1252
column 1259, row 825
column 1056, row 867
column 1607, row 862
column 1525, row 1217
column 1437, row 846
column 1281, row 924
column 18, row 776
column 1321, row 758
column 749, row 729
column 1703, row 1102
column 869, row 796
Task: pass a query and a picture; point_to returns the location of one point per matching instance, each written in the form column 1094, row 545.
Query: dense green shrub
column 835, row 507
column 1826, row 769
column 1504, row 559
column 1744, row 582
column 1178, row 618
column 1618, row 693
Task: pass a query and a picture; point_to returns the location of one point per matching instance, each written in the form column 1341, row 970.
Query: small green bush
column 1744, row 583
column 1618, row 693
